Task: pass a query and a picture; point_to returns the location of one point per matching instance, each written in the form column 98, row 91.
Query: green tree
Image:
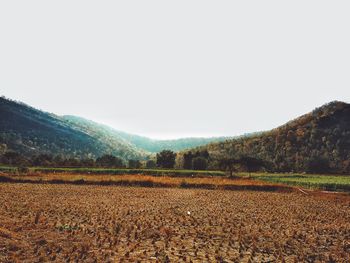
column 58, row 160
column 150, row 164
column 109, row 161
column 134, row 164
column 251, row 164
column 71, row 162
column 166, row 159
column 204, row 154
column 13, row 158
column 87, row 162
column 43, row 160
column 188, row 160
column 228, row 164
column 317, row 164
column 199, row 163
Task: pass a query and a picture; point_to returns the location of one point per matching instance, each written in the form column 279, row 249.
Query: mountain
column 320, row 138
column 29, row 131
column 144, row 143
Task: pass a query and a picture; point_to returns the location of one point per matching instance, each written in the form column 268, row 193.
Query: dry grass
column 150, row 181
column 79, row 223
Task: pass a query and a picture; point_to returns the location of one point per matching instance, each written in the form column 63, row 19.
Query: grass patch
column 182, row 178
column 323, row 182
column 222, row 183
column 117, row 171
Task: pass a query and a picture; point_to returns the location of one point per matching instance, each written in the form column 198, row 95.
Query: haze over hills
column 320, row 138
column 141, row 142
column 30, row 131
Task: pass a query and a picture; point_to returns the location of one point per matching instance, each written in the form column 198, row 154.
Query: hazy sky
column 169, row 69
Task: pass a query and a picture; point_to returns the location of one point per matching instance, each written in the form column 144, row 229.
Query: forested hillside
column 29, row 132
column 141, row 142
column 315, row 142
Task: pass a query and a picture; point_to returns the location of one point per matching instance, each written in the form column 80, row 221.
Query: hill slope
column 144, row 143
column 31, row 131
column 324, row 133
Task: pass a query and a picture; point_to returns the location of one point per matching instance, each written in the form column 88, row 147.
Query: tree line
column 166, row 159
column 12, row 158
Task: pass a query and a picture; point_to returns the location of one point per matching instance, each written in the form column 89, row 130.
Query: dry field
column 86, row 223
column 147, row 181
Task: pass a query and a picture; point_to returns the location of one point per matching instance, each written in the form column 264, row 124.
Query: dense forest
column 29, row 132
column 315, row 142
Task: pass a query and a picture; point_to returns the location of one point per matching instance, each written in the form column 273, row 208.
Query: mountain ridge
column 322, row 134
column 30, row 131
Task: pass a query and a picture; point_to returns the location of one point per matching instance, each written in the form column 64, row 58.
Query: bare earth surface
column 77, row 223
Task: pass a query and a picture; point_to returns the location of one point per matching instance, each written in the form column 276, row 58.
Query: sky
column 170, row 69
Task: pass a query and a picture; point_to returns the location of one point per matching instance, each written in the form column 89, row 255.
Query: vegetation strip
column 116, row 171
column 150, row 183
column 322, row 182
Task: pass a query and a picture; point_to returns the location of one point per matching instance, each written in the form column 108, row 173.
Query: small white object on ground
column 188, row 212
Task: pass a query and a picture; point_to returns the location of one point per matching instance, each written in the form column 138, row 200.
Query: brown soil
column 67, row 223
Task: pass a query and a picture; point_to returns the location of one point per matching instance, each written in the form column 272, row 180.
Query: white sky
column 169, row 69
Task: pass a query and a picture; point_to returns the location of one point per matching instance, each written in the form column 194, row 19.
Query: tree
column 228, row 164
column 166, row 159
column 43, row 160
column 189, row 157
column 58, row 160
column 251, row 164
column 199, row 163
column 109, row 161
column 13, row 158
column 87, row 162
column 150, row 164
column 318, row 165
column 204, row 154
column 134, row 164
column 188, row 160
column 71, row 162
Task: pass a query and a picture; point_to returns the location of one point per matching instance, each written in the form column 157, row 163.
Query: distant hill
column 323, row 134
column 144, row 143
column 29, row 131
